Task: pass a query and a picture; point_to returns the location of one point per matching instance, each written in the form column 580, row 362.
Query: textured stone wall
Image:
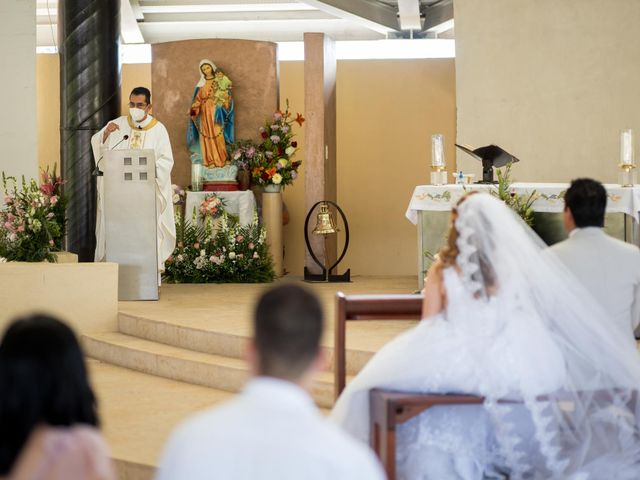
column 251, row 66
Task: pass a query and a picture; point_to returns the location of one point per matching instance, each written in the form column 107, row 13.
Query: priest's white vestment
column 147, row 134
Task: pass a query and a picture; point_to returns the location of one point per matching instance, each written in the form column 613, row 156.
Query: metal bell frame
column 326, row 275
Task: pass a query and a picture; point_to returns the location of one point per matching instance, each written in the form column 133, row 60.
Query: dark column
column 89, row 33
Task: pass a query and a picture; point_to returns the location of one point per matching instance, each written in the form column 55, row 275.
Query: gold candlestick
column 627, row 175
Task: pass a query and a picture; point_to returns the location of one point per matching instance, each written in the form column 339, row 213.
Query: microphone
column 96, row 171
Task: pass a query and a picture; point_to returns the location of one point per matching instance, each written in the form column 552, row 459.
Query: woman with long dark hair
column 46, row 402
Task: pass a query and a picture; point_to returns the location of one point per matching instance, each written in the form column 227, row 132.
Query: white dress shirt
column 272, row 430
column 609, row 269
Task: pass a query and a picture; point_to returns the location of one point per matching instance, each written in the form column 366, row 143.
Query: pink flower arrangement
column 32, row 221
column 243, row 153
column 212, row 206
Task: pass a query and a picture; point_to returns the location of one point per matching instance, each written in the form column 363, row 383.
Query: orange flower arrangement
column 274, row 165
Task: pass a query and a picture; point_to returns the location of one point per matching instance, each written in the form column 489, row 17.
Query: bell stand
column 326, row 275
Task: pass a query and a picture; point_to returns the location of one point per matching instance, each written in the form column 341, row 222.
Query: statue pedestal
column 272, row 218
column 220, row 186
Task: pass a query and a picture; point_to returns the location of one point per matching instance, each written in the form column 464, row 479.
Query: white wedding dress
column 535, row 338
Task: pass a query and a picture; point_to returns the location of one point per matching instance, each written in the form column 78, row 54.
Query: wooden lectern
column 130, row 213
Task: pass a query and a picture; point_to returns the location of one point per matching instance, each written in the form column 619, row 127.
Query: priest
column 139, row 130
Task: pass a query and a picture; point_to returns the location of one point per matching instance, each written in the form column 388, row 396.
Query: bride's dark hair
column 449, row 252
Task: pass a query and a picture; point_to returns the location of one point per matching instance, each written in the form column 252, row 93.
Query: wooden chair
column 367, row 307
column 387, row 409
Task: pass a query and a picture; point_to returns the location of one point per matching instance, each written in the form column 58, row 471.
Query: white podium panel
column 131, row 221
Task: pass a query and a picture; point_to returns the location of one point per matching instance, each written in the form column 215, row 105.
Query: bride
column 503, row 320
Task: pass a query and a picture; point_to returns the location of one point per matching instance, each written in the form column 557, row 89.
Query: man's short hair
column 288, row 325
column 142, row 91
column 587, row 201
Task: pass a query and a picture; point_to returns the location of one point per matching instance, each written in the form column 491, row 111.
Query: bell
column 324, row 223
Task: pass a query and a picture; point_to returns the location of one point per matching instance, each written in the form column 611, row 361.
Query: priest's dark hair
column 142, row 91
column 43, row 381
column 586, row 199
column 288, row 325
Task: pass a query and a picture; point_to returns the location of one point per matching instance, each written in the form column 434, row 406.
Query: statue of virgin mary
column 211, row 127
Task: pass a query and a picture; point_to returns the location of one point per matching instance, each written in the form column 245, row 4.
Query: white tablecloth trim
column 549, row 198
column 240, row 203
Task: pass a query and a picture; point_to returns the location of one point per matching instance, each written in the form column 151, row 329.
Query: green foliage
column 221, row 251
column 521, row 204
column 32, row 220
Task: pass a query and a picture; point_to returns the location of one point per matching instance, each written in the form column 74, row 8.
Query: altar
column 430, row 207
column 240, row 203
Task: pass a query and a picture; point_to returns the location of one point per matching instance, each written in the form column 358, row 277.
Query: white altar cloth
column 240, row 203
column 549, row 197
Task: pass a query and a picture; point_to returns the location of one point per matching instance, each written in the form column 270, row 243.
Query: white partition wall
column 18, row 132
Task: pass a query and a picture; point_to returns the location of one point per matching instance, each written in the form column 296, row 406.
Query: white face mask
column 137, row 114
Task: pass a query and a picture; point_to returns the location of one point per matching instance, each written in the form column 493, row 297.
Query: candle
column 437, row 150
column 626, row 147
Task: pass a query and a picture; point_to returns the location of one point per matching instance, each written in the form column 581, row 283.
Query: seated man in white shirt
column 607, row 267
column 272, row 430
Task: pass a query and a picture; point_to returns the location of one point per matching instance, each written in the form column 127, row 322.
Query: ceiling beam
column 437, row 14
column 375, row 16
column 129, row 29
column 409, row 13
column 237, row 16
column 137, row 11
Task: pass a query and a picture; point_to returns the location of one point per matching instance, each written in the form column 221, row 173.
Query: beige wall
column 553, row 82
column 252, row 67
column 48, row 111
column 292, row 88
column 387, row 112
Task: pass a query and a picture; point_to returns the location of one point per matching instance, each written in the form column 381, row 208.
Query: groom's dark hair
column 288, row 324
column 587, row 201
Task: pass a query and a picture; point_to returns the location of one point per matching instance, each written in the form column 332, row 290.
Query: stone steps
column 176, row 363
column 215, row 342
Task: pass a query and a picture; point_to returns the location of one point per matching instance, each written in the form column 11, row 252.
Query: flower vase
column 196, row 177
column 244, row 179
column 272, row 188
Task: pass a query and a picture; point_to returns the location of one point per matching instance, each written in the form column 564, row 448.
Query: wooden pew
column 388, row 409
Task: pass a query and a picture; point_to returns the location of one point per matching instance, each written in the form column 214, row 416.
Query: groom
column 607, row 267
